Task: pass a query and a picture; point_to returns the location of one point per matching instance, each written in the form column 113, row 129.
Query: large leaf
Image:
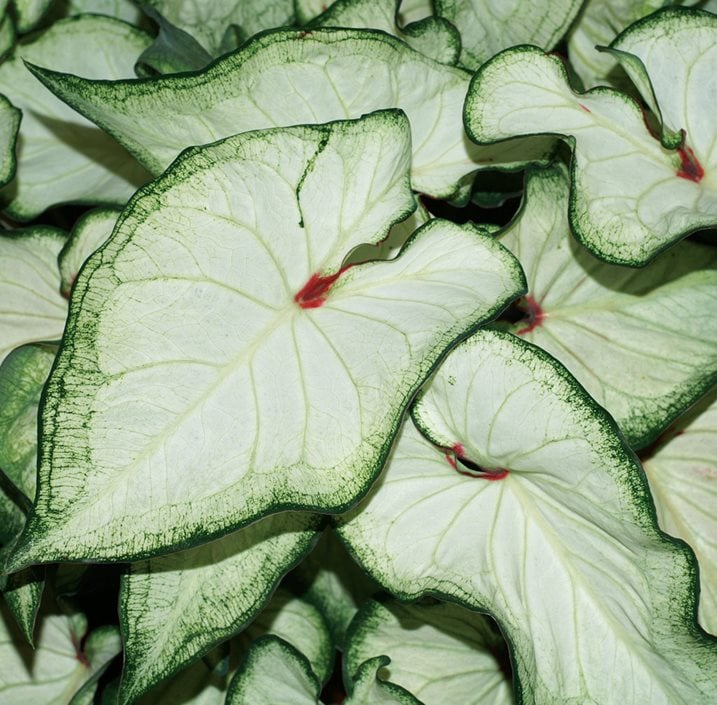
column 61, row 156
column 631, row 196
column 597, row 25
column 179, row 606
column 433, row 36
column 31, row 306
column 208, row 22
column 488, row 27
column 292, row 77
column 682, row 472
column 64, row 658
column 230, row 339
column 440, row 653
column 530, row 506
column 642, row 342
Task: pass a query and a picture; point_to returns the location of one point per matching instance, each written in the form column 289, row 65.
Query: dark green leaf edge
column 632, row 479
column 589, row 238
column 130, row 690
column 188, row 162
column 8, row 163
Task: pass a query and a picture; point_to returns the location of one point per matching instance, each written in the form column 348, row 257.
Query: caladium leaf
column 177, row 607
column 631, row 196
column 58, row 666
column 7, row 36
column 440, row 653
column 32, row 307
column 682, row 472
column 514, row 509
column 23, row 374
column 180, row 359
column 89, row 233
column 125, row 10
column 488, row 27
column 9, row 124
column 208, row 22
column 434, row 37
column 597, row 25
column 61, row 156
column 273, row 671
column 642, row 342
column 332, row 581
column 294, row 77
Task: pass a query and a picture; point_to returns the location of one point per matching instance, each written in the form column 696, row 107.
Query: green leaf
column 369, row 689
column 682, row 472
column 434, row 37
column 9, row 125
column 208, row 22
column 56, row 669
column 179, row 606
column 61, row 156
column 530, row 506
column 173, row 50
column 631, row 196
column 100, row 648
column 273, row 671
column 22, row 593
column 597, row 25
column 32, row 307
column 88, row 234
column 124, row 10
column 7, row 41
column 28, row 13
column 642, row 342
column 488, row 27
column 440, row 653
column 179, row 347
column 332, row 581
column 289, row 78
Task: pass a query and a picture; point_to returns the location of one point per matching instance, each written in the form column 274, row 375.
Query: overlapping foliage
column 288, row 415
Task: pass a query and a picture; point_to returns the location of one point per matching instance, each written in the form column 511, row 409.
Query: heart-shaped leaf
column 682, row 472
column 631, row 196
column 440, row 653
column 177, row 607
column 218, row 330
column 32, row 306
column 296, row 77
column 515, row 510
column 61, row 156
column 643, row 342
column 488, row 27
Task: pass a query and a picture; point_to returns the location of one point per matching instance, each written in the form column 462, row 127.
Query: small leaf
column 297, row 77
column 179, row 606
column 179, row 347
column 440, row 653
column 28, row 13
column 515, row 510
column 369, row 689
column 273, row 671
column 631, row 196
column 682, row 472
column 173, row 50
column 434, row 37
column 61, row 156
column 9, row 125
column 88, row 234
column 643, row 342
column 32, row 306
column 488, row 27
